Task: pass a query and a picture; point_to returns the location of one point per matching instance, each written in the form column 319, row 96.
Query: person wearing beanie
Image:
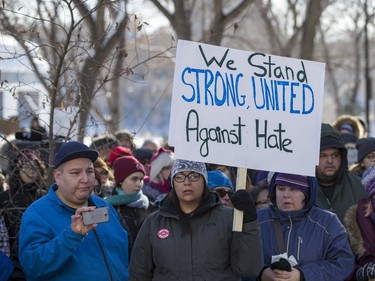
column 221, row 184
column 106, row 177
column 338, row 189
column 127, row 197
column 117, row 152
column 294, row 225
column 156, row 184
column 366, row 155
column 359, row 222
column 190, row 237
column 54, row 242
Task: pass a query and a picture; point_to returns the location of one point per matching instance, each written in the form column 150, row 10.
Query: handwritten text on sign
column 246, row 109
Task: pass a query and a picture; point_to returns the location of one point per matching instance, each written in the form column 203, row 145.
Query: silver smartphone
column 98, row 215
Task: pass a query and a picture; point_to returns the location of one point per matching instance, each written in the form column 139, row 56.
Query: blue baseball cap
column 73, row 150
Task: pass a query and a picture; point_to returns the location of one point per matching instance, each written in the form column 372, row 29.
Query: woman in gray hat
column 190, row 237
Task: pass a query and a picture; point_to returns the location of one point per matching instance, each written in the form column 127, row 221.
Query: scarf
column 121, row 198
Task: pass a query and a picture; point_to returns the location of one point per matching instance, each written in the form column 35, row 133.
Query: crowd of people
column 172, row 219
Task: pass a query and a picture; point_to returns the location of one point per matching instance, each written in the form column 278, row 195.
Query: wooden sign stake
column 240, row 184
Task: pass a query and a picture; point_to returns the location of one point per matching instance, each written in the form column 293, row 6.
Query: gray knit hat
column 189, row 166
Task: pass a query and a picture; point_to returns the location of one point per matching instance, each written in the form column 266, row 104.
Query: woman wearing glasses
column 190, row 237
column 221, row 184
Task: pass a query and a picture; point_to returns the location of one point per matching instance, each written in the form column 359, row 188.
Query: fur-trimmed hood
column 354, row 233
column 351, row 120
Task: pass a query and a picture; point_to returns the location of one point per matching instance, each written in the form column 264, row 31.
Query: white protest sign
column 246, row 109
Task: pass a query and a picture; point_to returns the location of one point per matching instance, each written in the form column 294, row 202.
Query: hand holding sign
column 242, row 202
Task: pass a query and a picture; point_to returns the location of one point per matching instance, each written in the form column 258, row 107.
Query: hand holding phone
column 98, row 215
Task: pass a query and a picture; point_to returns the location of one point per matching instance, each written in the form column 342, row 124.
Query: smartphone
column 98, row 215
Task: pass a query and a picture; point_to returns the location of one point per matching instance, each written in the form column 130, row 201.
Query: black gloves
column 365, row 272
column 282, row 264
column 242, row 200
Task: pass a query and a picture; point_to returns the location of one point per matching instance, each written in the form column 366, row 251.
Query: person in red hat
column 127, row 197
column 117, row 152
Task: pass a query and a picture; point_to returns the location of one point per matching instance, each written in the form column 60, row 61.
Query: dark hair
column 184, row 218
column 258, row 188
column 14, row 170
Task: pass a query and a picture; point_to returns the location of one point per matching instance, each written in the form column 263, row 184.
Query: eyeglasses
column 267, row 201
column 192, row 177
column 223, row 192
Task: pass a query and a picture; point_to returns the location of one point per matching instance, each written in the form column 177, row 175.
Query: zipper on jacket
column 299, row 246
column 289, row 233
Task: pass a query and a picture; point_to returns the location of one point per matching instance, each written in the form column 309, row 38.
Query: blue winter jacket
column 314, row 236
column 50, row 250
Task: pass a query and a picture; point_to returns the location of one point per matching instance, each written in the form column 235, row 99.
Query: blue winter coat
column 50, row 250
column 314, row 236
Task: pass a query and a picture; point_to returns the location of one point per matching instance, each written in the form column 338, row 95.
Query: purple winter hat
column 296, row 181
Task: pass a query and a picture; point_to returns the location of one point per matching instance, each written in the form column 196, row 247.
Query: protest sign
column 246, row 109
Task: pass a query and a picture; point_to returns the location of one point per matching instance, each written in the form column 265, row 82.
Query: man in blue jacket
column 54, row 242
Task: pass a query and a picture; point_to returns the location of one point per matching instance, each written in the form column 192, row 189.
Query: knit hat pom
column 368, row 181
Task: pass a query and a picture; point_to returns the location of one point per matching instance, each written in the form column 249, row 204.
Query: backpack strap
column 279, row 236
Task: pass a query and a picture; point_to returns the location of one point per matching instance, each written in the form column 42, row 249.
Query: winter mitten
column 365, row 272
column 242, row 200
column 281, row 264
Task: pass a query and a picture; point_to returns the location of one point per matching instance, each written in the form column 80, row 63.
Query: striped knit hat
column 295, row 181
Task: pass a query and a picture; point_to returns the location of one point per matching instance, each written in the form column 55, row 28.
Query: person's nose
column 187, row 179
column 330, row 158
column 85, row 177
column 286, row 193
